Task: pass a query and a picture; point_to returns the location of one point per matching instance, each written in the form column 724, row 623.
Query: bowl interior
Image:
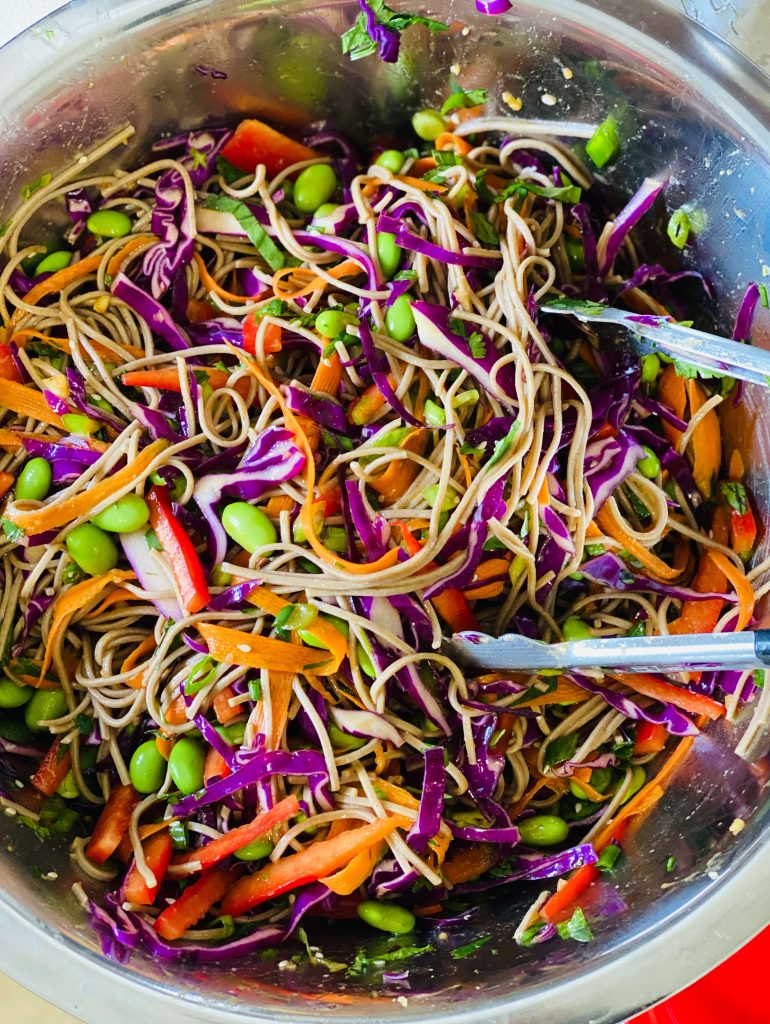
column 94, row 67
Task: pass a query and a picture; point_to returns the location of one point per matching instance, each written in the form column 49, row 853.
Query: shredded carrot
column 609, row 522
column 164, row 746
column 223, row 709
column 73, row 600
column 59, row 513
column 397, row 795
column 737, row 469
column 355, row 873
column 306, row 513
column 348, row 268
column 419, row 183
column 55, row 283
column 176, row 712
column 26, row 401
column 741, row 585
column 7, row 481
column 280, row 684
column 391, row 484
column 211, row 285
column 706, row 441
column 449, row 141
column 340, row 825
column 136, row 682
column 422, row 166
column 328, row 375
column 63, row 345
column 234, row 647
column 672, row 392
column 544, row 495
column 114, row 597
column 480, row 590
column 565, row 691
column 281, row 503
column 121, row 257
column 332, row 638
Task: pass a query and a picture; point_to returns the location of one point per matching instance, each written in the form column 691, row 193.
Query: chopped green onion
column 604, row 143
column 678, row 229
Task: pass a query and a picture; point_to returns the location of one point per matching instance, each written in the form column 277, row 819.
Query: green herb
column 406, row 275
column 152, row 541
column 462, row 98
column 561, row 749
column 177, row 831
column 563, row 193
column 84, row 724
column 637, row 504
column 73, row 573
column 608, row 858
column 604, row 143
column 759, row 677
column 34, row 186
column 201, row 377
column 504, row 444
column 199, row 159
column 594, row 549
column 690, row 372
column 636, row 630
column 255, row 689
column 468, row 449
column 623, row 751
column 484, row 230
column 494, row 544
column 670, row 865
column 678, row 229
column 36, row 871
column 390, row 952
column 357, row 42
column 446, row 158
column 531, row 933
column 477, row 345
column 228, row 926
column 4, row 227
column 259, row 238
column 316, row 957
column 469, row 948
column 576, row 928
column 229, row 172
column 735, row 496
column 584, row 307
column 12, row 531
column 485, row 194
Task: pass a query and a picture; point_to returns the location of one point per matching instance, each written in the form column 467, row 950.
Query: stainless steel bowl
column 701, row 113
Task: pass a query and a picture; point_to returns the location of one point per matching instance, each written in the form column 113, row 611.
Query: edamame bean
column 428, row 124
column 44, row 706
column 638, row 779
column 574, row 628
column 68, row 788
column 435, row 415
column 649, row 466
column 342, row 741
column 451, row 498
column 388, row 917
column 332, row 322
column 314, row 187
column 399, row 319
column 109, row 223
column 147, row 768
column 650, row 368
column 543, row 830
column 575, row 254
column 34, row 481
column 365, row 661
column 388, row 253
column 128, row 514
column 325, row 210
column 220, row 578
column 92, row 549
column 335, row 538
column 186, row 765
column 248, row 526
column 601, row 780
column 233, row 733
column 308, row 637
column 77, row 423
column 255, row 850
column 54, row 261
column 392, row 159
column 14, row 696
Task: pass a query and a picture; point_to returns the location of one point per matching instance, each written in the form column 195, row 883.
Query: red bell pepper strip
column 8, row 368
column 273, row 335
column 215, row 851
column 53, row 768
column 194, row 903
column 185, row 564
column 112, row 824
column 157, row 854
column 743, row 525
column 702, row 616
column 451, row 604
column 650, row 739
column 253, row 143
column 315, row 861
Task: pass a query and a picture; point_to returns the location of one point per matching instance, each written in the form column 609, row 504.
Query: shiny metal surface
column 695, row 652
column 699, row 116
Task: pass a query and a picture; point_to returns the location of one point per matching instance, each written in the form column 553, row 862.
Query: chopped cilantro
column 469, row 948
column 576, row 928
column 563, row 193
column 316, row 957
column 357, row 42
column 477, row 345
column 531, row 933
column 34, row 186
column 484, row 231
column 462, row 98
column 561, row 749
column 229, row 172
column 482, row 189
column 151, row 538
column 84, row 724
column 390, row 952
column 258, row 237
column 690, row 372
column 734, row 494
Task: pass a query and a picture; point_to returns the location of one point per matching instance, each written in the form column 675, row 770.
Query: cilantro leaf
column 735, row 496
column 316, row 957
column 576, row 928
column 484, row 231
column 359, row 42
column 477, row 345
column 151, row 538
column 391, row 952
column 564, row 193
column 503, row 445
column 484, row 192
column 561, row 749
column 462, row 98
column 469, row 948
column 258, row 237
column 690, row 372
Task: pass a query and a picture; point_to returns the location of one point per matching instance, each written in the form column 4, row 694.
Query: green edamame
column 638, row 779
column 257, row 849
column 54, row 261
column 109, row 224
column 314, row 187
column 147, row 768
column 649, row 466
column 399, row 319
column 325, row 210
column 388, row 917
column 233, row 733
column 248, row 526
column 601, row 780
column 332, row 322
column 92, row 549
column 574, row 628
column 428, row 124
column 392, row 159
column 68, row 787
column 435, row 415
column 388, row 253
column 128, row 514
column 220, row 578
column 14, row 696
column 34, row 481
column 44, row 706
column 186, row 765
column 308, row 637
column 451, row 498
column 650, row 368
column 335, row 538
column 543, row 830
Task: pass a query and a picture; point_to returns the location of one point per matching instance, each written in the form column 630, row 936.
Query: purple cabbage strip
column 373, row 529
column 534, row 867
column 79, row 208
column 344, row 247
column 484, row 775
column 197, row 151
column 493, row 7
column 431, row 807
column 321, row 409
column 557, row 528
column 746, row 311
column 677, row 723
column 607, row 464
column 388, row 41
column 378, row 365
column 631, row 214
column 233, row 597
column 610, row 571
column 174, row 223
column 594, row 279
column 155, row 316
column 415, row 243
column 55, row 403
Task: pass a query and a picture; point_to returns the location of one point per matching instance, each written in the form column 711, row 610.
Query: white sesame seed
column 51, row 876
column 512, row 101
column 10, row 811
column 737, row 826
column 245, row 648
column 567, row 72
column 549, row 99
column 402, row 1001
column 455, row 69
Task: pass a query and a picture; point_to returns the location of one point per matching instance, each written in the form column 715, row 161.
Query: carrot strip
column 348, row 879
column 608, row 521
column 391, row 484
column 55, row 283
column 347, row 268
column 211, row 285
column 672, row 392
column 491, row 568
column 25, row 401
column 328, row 375
column 706, row 442
column 741, row 585
column 114, row 597
column 73, row 600
column 167, row 379
column 447, row 140
column 469, row 862
column 419, row 183
column 281, row 684
column 659, row 689
column 327, row 634
column 397, row 795
column 234, row 647
column 63, row 345
column 224, row 711
column 281, row 503
column 737, row 469
column 148, row 644
column 176, row 712
column 7, row 481
column 58, row 513
column 120, row 258
column 565, row 691
column 702, row 616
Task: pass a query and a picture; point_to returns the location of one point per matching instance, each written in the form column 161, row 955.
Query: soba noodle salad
column 276, row 416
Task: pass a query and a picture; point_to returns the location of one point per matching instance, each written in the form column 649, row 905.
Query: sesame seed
column 244, row 647
column 567, row 72
column 549, row 99
column 402, row 1001
column 514, row 102
column 11, row 812
column 737, row 826
column 51, row 876
column 455, row 69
